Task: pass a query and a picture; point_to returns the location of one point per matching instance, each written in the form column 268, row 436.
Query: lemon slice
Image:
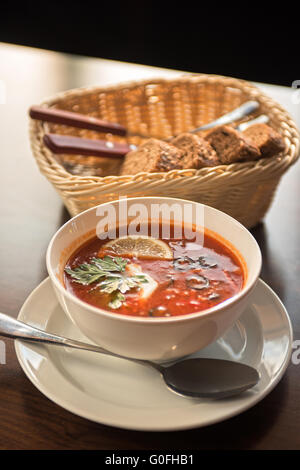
column 140, row 246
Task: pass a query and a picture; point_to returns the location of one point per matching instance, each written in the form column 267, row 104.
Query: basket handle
column 76, row 145
column 69, row 118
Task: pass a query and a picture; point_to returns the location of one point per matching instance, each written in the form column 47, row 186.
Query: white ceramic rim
column 150, row 321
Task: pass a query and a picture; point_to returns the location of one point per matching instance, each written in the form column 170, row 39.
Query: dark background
column 244, row 41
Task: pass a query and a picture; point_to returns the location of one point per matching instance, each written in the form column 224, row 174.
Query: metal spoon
column 195, row 377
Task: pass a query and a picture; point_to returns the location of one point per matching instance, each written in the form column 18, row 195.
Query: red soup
column 196, row 277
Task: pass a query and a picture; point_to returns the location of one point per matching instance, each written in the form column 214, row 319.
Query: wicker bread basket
column 161, row 108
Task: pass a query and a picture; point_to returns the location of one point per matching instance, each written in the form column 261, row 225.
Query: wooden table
column 31, row 211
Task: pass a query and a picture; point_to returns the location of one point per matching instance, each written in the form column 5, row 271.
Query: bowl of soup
column 153, row 278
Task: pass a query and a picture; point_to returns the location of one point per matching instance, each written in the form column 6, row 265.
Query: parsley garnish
column 110, row 275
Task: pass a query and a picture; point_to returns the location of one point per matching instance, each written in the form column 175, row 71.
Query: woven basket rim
column 60, row 177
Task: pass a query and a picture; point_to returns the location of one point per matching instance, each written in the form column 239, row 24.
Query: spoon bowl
column 209, row 378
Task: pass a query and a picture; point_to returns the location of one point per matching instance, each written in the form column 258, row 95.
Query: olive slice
column 197, row 281
column 185, row 263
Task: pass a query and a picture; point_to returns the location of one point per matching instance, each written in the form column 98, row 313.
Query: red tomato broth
column 174, row 294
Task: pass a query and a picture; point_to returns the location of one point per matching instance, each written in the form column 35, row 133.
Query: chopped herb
column 186, row 263
column 85, row 274
column 109, row 271
column 111, row 264
column 116, row 301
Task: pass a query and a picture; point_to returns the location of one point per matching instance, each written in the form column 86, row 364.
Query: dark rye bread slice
column 197, row 152
column 266, row 139
column 231, row 145
column 152, row 156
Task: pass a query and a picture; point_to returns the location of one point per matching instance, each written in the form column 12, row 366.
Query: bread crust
column 197, row 152
column 268, row 140
column 231, row 145
column 152, row 156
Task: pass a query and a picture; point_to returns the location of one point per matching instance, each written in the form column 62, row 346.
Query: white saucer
column 120, row 393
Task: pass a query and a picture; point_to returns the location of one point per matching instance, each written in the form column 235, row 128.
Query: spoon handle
column 246, row 108
column 12, row 328
column 262, row 119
